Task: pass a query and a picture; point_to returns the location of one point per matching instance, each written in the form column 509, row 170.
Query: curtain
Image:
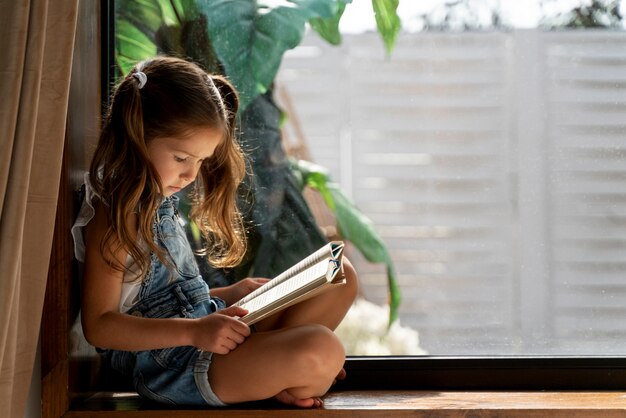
column 36, row 46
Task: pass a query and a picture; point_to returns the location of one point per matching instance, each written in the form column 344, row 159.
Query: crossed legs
column 298, row 364
column 294, row 357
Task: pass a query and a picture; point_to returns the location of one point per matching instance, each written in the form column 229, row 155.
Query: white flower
column 364, row 332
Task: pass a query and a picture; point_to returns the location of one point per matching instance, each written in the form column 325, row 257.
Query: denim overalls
column 175, row 375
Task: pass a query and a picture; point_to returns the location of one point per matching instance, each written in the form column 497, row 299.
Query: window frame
column 438, row 372
column 486, row 373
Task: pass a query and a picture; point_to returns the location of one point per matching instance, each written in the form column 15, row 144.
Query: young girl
column 144, row 303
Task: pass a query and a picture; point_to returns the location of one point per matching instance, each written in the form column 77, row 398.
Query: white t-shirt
column 132, row 281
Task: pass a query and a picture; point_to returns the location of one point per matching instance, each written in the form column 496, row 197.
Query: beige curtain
column 36, row 45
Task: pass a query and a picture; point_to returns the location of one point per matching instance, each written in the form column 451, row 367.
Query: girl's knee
column 319, row 350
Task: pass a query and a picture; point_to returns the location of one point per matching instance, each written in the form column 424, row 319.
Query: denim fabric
column 177, row 375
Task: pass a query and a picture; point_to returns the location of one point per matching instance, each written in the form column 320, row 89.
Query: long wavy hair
column 177, row 98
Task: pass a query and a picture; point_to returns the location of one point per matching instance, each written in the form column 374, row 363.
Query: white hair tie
column 142, row 77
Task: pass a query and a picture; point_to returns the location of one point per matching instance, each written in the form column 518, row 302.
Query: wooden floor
column 381, row 404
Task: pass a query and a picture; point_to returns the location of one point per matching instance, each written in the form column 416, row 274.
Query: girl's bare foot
column 287, row 398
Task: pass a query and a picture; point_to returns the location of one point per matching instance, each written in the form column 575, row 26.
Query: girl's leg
column 326, row 309
column 295, row 365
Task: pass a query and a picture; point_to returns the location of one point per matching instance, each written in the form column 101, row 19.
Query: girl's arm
column 106, row 327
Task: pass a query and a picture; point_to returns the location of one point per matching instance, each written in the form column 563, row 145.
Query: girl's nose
column 190, row 174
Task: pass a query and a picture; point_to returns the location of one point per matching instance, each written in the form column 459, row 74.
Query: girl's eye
column 179, row 159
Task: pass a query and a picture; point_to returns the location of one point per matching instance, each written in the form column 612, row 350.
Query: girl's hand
column 234, row 292
column 220, row 332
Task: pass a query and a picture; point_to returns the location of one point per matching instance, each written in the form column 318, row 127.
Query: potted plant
column 246, row 40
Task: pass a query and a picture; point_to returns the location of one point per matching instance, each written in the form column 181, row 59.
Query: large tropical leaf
column 387, row 21
column 353, row 225
column 282, row 229
column 147, row 27
column 132, row 45
column 250, row 37
column 328, row 28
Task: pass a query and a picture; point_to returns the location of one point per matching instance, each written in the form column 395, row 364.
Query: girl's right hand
column 220, row 332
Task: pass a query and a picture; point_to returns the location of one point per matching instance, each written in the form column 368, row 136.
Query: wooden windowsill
column 575, row 404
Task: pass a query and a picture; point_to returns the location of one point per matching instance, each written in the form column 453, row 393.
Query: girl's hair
column 174, row 99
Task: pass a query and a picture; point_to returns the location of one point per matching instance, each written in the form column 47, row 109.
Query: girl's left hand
column 234, row 292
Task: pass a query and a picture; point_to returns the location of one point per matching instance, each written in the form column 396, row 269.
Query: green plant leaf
column 147, row 27
column 353, row 225
column 387, row 21
column 250, row 37
column 137, row 22
column 132, row 45
column 172, row 12
column 145, row 14
column 328, row 28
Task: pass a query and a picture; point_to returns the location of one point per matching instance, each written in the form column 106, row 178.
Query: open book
column 317, row 273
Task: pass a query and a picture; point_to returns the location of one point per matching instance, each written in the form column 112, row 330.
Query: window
column 492, row 164
column 490, row 161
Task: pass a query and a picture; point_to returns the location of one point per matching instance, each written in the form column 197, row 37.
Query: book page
column 332, row 249
column 288, row 287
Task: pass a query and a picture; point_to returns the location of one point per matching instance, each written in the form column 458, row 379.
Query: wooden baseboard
column 393, row 404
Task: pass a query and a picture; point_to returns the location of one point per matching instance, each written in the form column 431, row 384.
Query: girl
column 144, row 302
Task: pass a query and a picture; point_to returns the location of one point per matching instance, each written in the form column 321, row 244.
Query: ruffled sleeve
column 132, row 274
column 85, row 214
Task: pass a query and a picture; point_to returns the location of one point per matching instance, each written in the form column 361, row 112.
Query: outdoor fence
column 493, row 165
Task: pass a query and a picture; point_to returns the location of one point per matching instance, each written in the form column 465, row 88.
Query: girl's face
column 178, row 160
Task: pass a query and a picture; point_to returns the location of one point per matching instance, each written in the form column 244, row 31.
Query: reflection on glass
column 492, row 163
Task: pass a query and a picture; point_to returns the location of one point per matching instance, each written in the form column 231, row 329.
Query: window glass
column 488, row 151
